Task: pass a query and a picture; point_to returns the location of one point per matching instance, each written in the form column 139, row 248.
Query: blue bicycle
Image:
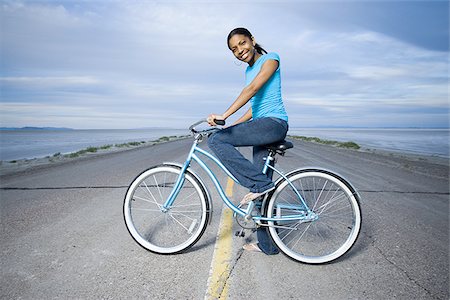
column 313, row 215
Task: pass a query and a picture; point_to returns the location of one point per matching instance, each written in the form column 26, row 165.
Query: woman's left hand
column 213, row 117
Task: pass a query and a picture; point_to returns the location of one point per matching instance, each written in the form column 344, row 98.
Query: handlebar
column 209, row 130
column 219, row 122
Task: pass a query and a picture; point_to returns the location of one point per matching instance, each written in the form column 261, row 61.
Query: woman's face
column 242, row 47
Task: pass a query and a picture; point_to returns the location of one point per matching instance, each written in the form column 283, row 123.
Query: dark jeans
column 256, row 133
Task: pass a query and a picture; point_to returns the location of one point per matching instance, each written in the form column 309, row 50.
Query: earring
column 238, row 62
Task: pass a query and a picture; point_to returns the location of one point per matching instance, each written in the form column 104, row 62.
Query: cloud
column 363, row 73
column 49, row 81
column 377, row 72
column 85, row 64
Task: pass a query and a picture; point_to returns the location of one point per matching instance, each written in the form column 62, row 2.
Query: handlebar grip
column 219, row 122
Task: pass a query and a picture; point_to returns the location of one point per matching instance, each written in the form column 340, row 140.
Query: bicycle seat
column 280, row 146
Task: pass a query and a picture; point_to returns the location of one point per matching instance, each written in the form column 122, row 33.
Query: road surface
column 63, row 234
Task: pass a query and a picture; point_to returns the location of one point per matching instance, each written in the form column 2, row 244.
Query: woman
column 264, row 123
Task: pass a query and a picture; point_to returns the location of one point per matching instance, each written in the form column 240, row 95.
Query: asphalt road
column 63, row 234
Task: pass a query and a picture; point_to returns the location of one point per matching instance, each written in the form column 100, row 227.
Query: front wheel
column 325, row 233
column 157, row 229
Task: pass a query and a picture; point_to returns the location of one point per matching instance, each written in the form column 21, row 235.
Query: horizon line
column 178, row 128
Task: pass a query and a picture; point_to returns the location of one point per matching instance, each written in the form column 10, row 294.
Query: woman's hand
column 213, row 117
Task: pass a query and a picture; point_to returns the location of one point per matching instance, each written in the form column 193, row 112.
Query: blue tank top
column 267, row 102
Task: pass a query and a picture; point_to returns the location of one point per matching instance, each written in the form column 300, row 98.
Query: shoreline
column 24, row 165
column 350, row 145
column 27, row 164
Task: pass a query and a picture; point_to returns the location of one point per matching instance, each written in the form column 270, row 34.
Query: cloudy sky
column 133, row 64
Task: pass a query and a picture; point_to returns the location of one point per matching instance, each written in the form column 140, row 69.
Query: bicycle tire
column 171, row 231
column 335, row 203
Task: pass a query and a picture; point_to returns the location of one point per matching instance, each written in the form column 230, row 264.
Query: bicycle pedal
column 240, row 233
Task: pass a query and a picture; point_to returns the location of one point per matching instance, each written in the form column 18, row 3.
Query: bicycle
column 313, row 215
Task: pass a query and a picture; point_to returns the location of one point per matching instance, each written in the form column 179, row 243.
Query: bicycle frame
column 177, row 217
column 195, row 149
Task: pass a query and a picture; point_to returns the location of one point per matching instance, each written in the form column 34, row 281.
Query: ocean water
column 407, row 140
column 20, row 144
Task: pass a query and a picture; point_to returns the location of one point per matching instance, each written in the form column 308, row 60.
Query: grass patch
column 349, row 145
column 129, row 144
column 162, row 139
column 82, row 152
column 109, row 146
column 91, row 149
column 104, row 147
column 121, row 145
column 169, row 138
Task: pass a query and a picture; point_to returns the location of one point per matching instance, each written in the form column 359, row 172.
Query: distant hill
column 35, row 128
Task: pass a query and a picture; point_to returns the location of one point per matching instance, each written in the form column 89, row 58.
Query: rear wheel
column 160, row 231
column 326, row 233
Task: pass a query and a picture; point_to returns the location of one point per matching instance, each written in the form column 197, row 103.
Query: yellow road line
column 220, row 265
column 229, row 189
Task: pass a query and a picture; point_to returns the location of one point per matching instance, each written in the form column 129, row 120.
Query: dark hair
column 244, row 31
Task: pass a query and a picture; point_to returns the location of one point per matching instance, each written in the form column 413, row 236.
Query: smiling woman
column 265, row 122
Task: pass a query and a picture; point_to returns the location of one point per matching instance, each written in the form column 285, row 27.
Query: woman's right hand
column 213, row 117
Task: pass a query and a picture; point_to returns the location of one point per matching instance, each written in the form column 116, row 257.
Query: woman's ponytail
column 260, row 49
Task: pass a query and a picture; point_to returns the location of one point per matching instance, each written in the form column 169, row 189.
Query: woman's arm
column 268, row 68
